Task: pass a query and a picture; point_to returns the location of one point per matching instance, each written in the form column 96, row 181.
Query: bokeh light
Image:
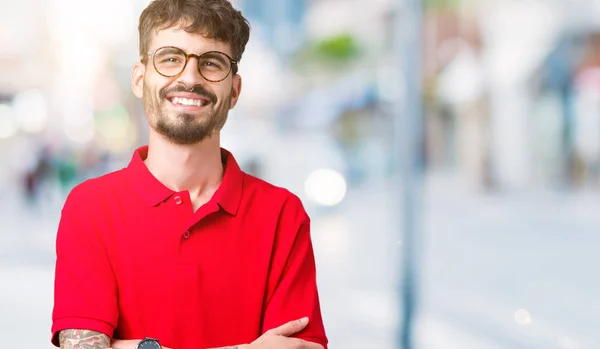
column 31, row 111
column 326, row 187
column 522, row 317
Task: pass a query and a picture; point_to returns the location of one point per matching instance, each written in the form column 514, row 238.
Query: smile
column 189, row 102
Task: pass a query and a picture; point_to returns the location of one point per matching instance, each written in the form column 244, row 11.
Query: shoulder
column 94, row 190
column 274, row 197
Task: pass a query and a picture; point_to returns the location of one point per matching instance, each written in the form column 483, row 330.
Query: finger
column 301, row 343
column 291, row 327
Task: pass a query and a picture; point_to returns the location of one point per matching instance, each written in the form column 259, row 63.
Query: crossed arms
column 277, row 338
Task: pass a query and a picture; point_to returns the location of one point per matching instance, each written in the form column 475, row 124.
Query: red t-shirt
column 135, row 261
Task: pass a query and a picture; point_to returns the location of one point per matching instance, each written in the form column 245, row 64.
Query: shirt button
column 178, row 200
column 186, row 235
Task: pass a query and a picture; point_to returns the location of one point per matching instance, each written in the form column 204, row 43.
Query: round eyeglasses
column 214, row 66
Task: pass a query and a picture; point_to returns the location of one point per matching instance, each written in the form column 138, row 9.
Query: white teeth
column 188, row 102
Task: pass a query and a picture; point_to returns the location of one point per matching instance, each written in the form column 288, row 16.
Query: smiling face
column 186, row 108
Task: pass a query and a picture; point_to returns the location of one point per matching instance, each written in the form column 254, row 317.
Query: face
column 186, row 109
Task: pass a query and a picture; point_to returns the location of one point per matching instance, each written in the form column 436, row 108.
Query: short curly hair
column 215, row 19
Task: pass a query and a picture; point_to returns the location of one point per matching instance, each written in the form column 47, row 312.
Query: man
column 181, row 249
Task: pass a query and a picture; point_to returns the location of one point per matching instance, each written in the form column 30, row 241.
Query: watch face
column 149, row 344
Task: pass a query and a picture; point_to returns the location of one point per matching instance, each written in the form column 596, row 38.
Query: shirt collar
column 229, row 193
column 228, row 196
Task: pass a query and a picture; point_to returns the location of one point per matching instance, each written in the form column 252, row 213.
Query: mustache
column 198, row 89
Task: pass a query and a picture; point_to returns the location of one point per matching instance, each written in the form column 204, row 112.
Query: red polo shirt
column 135, row 261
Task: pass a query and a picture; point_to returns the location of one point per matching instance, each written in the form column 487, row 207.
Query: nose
column 191, row 76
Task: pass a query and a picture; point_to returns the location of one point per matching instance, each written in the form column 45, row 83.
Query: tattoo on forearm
column 83, row 339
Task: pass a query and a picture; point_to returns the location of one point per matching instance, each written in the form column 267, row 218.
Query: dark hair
column 214, row 19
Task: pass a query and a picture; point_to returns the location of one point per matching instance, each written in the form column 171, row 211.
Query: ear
column 137, row 79
column 236, row 89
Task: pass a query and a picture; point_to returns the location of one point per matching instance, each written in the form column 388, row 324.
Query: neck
column 196, row 168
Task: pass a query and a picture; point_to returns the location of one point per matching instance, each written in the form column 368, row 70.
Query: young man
column 181, row 249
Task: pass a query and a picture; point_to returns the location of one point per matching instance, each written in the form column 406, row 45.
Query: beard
column 185, row 128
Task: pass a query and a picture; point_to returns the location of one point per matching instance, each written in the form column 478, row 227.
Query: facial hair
column 185, row 128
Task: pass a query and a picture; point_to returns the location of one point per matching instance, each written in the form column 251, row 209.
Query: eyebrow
column 168, row 49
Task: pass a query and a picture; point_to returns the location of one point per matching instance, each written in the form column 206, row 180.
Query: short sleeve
column 293, row 290
column 85, row 289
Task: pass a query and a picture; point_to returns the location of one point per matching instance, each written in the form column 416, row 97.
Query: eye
column 211, row 64
column 172, row 59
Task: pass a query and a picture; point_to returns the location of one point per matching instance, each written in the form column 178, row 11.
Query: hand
column 127, row 344
column 278, row 338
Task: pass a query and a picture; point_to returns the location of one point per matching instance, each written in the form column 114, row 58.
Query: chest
column 210, row 248
column 193, row 275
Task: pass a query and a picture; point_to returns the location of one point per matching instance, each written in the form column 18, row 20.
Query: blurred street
column 486, row 257
column 496, row 102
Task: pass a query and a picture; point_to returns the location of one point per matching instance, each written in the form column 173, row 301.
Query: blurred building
column 509, row 96
column 280, row 23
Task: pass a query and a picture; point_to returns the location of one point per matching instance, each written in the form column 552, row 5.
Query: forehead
column 189, row 42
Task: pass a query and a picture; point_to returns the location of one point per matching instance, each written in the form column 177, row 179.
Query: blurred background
column 501, row 194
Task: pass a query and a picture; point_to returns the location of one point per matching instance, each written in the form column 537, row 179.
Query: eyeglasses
column 214, row 66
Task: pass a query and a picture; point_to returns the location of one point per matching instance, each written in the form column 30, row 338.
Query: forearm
column 72, row 339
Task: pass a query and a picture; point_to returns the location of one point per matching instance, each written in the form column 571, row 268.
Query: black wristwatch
column 149, row 343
